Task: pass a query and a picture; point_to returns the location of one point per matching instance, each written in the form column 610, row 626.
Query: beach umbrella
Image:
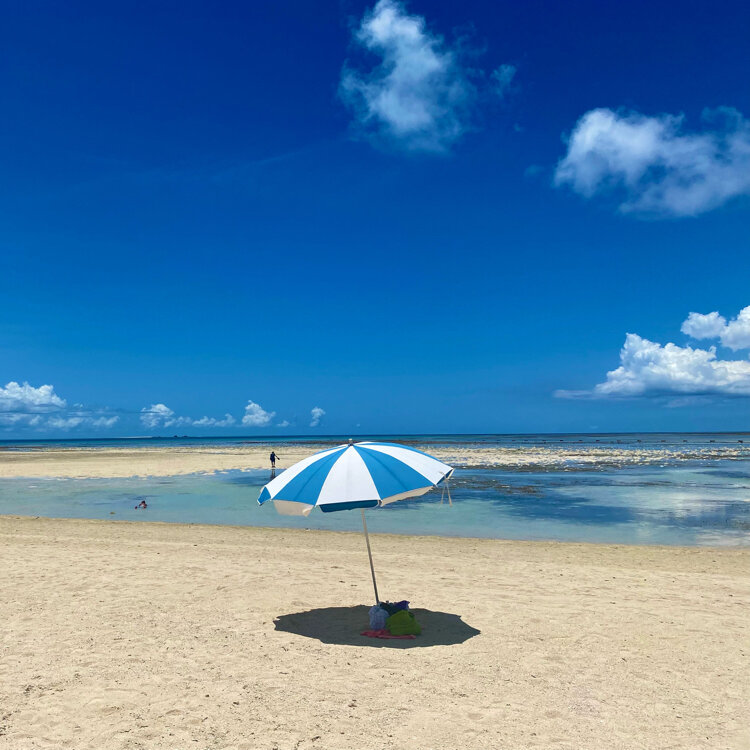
column 357, row 475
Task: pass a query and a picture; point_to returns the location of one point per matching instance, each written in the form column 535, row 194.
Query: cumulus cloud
column 650, row 369
column 227, row 421
column 156, row 415
column 700, row 326
column 103, row 421
column 316, row 414
column 78, row 419
column 654, row 165
column 24, row 406
column 257, row 416
column 64, row 423
column 11, row 419
column 25, row 398
column 283, row 423
column 417, row 96
column 734, row 334
column 160, row 415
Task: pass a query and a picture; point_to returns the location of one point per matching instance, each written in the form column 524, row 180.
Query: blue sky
column 421, row 217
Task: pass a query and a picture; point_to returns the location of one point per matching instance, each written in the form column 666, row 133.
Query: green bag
column 403, row 622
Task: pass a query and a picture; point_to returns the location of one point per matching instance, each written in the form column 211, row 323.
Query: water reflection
column 687, row 504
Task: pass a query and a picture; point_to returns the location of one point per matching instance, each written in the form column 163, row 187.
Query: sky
column 381, row 217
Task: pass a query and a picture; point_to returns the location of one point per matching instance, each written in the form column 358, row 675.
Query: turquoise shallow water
column 691, row 503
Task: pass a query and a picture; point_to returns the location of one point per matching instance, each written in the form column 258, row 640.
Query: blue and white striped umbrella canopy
column 357, row 475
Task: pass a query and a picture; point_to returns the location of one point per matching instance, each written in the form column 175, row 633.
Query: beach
column 175, row 460
column 150, row 635
column 319, row 318
column 142, row 461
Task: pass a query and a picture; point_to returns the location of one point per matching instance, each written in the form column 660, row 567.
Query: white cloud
column 659, row 169
column 734, row 335
column 160, row 415
column 317, row 415
column 24, row 406
column 156, row 415
column 79, row 419
column 284, row 423
column 502, row 78
column 103, row 421
column 417, row 96
column 256, row 416
column 227, row 421
column 27, row 399
column 700, row 326
column 64, row 423
column 22, row 420
column 650, row 369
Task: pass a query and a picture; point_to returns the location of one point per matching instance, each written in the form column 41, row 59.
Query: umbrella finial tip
column 351, row 442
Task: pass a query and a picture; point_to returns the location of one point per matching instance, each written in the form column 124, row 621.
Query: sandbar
column 144, row 461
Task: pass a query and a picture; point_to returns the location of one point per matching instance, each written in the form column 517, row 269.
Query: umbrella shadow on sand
column 343, row 625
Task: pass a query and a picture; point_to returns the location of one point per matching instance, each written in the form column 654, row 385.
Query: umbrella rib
column 315, row 469
column 375, row 457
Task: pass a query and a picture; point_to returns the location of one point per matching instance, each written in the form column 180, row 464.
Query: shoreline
column 742, row 550
column 120, row 463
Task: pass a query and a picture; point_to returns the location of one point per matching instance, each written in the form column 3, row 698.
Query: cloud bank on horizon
column 650, row 369
column 24, row 398
column 160, row 415
column 23, row 405
column 227, row 421
column 655, row 167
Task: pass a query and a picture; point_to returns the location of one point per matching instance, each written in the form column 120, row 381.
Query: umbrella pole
column 369, row 554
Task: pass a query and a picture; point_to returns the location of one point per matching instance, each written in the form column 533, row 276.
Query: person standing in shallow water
column 273, row 458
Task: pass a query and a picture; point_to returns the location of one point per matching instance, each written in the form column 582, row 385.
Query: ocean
column 672, row 489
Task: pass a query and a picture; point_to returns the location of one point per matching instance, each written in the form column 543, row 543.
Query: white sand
column 168, row 461
column 127, row 462
column 153, row 636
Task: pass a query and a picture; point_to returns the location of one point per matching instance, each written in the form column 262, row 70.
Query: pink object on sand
column 384, row 634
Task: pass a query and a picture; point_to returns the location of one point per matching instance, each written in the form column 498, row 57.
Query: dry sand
column 127, row 462
column 173, row 460
column 136, row 635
